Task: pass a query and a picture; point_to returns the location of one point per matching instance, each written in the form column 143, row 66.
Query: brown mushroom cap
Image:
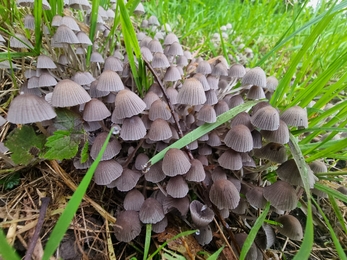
column 224, row 194
column 128, row 226
column 175, row 163
column 151, row 211
column 28, row 108
column 291, row 227
column 281, row 195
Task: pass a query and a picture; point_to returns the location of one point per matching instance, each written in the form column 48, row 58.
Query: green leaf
column 253, row 233
column 147, row 240
column 331, row 192
column 6, row 251
column 62, row 145
column 84, row 152
column 68, row 120
column 10, row 181
column 20, row 142
column 216, row 254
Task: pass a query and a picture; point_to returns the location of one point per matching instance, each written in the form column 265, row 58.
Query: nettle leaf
column 22, row 141
column 68, row 120
column 10, row 181
column 62, row 145
column 84, row 152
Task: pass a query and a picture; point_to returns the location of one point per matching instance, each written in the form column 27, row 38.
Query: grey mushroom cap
column 200, row 213
column 128, row 226
column 255, row 76
column 151, row 211
column 191, row 93
column 266, row 118
column 175, row 163
column 28, row 108
column 239, row 138
column 177, row 187
column 295, row 116
column 281, row 195
column 107, row 171
column 134, row 200
column 224, row 194
column 128, row 104
column 291, row 227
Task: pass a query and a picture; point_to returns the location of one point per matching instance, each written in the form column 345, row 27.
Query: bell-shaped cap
column 28, row 108
column 133, row 200
column 151, row 211
column 128, row 226
column 192, row 93
column 295, row 116
column 281, row 195
column 128, row 104
column 266, row 118
column 224, row 194
column 291, row 227
column 239, row 138
column 175, row 162
column 177, row 187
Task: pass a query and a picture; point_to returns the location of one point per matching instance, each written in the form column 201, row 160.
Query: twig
column 172, row 110
column 44, row 205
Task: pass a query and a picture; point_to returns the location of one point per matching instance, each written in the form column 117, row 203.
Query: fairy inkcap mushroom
column 224, row 194
column 107, row 171
column 151, row 211
column 281, row 135
column 200, row 213
column 128, row 226
column 133, row 129
column 239, row 138
column 281, row 195
column 230, row 160
column 128, row 104
column 68, row 93
column 65, row 35
column 255, row 197
column 255, row 76
column 191, row 93
column 291, row 227
column 133, row 200
column 112, row 148
column 28, row 108
column 159, row 109
column 160, row 130
column 204, row 236
column 266, row 118
column 127, row 181
column 177, row 187
column 272, row 151
column 295, row 116
column 175, row 162
column 95, row 110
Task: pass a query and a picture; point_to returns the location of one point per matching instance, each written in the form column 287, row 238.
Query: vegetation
column 305, row 48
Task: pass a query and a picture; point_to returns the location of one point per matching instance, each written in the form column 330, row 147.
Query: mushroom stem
column 42, row 129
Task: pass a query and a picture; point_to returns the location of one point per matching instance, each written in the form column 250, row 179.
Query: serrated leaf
column 10, row 181
column 68, row 120
column 62, row 145
column 20, row 142
column 84, row 152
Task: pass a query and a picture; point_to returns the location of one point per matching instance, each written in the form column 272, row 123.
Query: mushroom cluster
column 226, row 169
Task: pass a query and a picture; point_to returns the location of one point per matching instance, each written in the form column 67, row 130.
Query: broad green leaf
column 68, row 120
column 61, row 145
column 66, row 217
column 21, row 141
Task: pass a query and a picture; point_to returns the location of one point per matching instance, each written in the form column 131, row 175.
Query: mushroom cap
column 109, row 81
column 181, row 204
column 175, row 49
column 133, row 129
column 68, row 93
column 255, row 93
column 211, row 97
column 151, row 211
column 291, row 227
column 107, row 172
column 170, row 39
column 128, row 104
column 172, row 74
column 224, row 194
column 200, row 213
column 255, row 76
column 155, row 174
column 160, row 130
column 295, row 116
column 160, row 61
column 114, row 64
column 191, row 93
column 159, row 109
column 23, row 42
column 177, row 187
column 281, row 195
column 203, row 81
column 175, row 162
column 133, row 200
column 207, row 114
column 230, row 160
column 253, row 252
column 160, row 226
column 128, row 226
column 237, row 71
column 271, row 83
column 280, row 136
column 266, row 118
column 242, row 118
column 196, row 172
column 28, row 108
column 127, row 181
column 318, row 166
column 239, row 138
column 234, row 101
column 204, row 236
column 65, row 35
column 95, row 110
column 45, row 62
column 255, row 197
column 273, row 152
column 112, row 149
column 140, row 161
column 204, row 68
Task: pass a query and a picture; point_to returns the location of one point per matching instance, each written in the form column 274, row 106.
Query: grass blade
column 66, row 217
column 331, row 192
column 92, row 29
column 336, row 241
column 38, row 22
column 253, row 233
column 307, row 243
column 216, row 254
column 6, row 251
column 147, row 240
column 338, row 213
column 202, row 130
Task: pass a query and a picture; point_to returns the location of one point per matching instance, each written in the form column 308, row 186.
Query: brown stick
column 44, row 205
